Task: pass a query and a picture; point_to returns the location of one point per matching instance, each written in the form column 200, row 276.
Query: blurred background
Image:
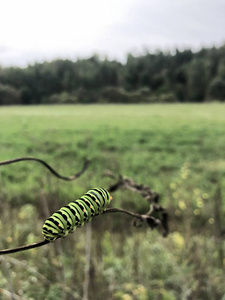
column 114, row 51
column 120, row 58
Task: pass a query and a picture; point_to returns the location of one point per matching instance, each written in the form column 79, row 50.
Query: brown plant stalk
column 108, row 210
column 70, row 178
column 123, row 182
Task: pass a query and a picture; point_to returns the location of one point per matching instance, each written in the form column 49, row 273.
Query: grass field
column 177, row 150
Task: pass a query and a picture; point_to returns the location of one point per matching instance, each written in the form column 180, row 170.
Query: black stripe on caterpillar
column 75, row 214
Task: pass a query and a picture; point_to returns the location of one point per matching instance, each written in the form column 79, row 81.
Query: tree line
column 182, row 76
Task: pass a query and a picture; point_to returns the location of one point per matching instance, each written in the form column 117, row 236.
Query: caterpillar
column 75, row 214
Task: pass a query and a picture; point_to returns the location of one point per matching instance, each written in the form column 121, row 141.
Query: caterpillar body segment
column 75, row 214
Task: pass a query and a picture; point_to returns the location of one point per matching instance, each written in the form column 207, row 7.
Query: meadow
column 176, row 149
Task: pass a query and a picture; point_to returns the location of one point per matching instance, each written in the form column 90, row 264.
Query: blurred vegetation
column 177, row 150
column 183, row 76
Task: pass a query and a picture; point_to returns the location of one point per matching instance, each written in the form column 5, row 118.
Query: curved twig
column 22, row 248
column 121, row 210
column 150, row 220
column 70, row 178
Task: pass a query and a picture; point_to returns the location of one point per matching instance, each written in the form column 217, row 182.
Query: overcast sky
column 47, row 29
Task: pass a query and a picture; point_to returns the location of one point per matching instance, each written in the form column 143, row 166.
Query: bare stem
column 146, row 193
column 135, row 215
column 109, row 210
column 23, row 248
column 70, row 178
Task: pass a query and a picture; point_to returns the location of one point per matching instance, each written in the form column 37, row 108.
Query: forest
column 182, row 76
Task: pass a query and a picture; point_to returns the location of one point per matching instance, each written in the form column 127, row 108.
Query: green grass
column 177, row 150
column 147, row 143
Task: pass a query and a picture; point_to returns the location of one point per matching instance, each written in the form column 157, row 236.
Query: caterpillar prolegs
column 75, row 214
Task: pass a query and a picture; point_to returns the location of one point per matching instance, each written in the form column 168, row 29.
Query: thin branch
column 111, row 210
column 124, row 182
column 11, row 161
column 23, row 248
column 130, row 184
column 70, row 178
column 150, row 196
column 152, row 222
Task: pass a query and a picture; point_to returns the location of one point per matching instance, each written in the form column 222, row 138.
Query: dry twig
column 70, row 178
column 156, row 216
column 123, row 182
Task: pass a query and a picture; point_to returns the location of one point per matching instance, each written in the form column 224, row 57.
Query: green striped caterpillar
column 75, row 214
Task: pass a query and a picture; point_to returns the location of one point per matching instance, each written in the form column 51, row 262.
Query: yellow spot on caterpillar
column 59, row 225
column 90, row 206
column 111, row 197
column 83, row 210
column 96, row 201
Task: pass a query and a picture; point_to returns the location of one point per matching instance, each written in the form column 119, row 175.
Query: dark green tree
column 216, row 89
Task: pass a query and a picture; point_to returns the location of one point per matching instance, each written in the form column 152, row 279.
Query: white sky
column 32, row 30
